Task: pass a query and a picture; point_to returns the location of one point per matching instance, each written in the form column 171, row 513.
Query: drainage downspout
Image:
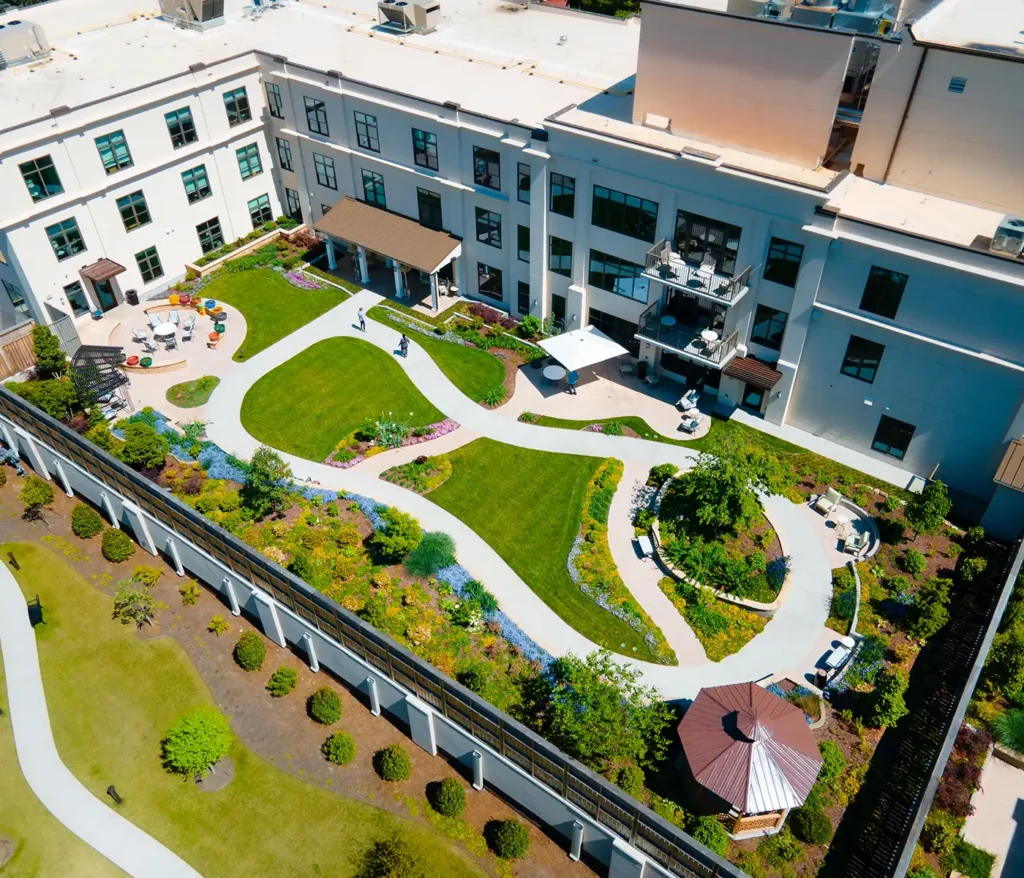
column 906, row 113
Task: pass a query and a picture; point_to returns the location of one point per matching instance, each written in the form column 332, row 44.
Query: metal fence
column 606, row 804
column 66, row 333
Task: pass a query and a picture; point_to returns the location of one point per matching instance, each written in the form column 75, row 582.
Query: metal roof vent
column 1009, row 237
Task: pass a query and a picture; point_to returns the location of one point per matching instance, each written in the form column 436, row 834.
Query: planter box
column 252, row 246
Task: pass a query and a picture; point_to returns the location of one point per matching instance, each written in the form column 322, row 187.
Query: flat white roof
column 995, row 26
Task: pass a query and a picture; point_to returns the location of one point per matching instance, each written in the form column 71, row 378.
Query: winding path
column 120, row 841
column 785, row 643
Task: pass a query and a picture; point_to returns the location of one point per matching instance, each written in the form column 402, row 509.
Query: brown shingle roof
column 1011, row 470
column 102, row 269
column 753, row 371
column 389, row 234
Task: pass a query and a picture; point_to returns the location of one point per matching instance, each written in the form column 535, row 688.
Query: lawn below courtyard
column 527, row 505
column 111, row 696
column 307, row 405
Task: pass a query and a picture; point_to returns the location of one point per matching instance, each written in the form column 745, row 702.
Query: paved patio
column 997, row 824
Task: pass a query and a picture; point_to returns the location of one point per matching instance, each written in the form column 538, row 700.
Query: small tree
column 630, row 779
column 393, row 763
column 50, row 356
column 710, row 833
column 133, row 604
column 926, row 511
column 266, row 482
column 86, row 522
column 448, row 797
column 282, row 681
column 35, row 495
column 389, row 858
column 509, row 839
column 324, row 706
column 889, row 707
column 196, row 741
column 339, row 748
column 811, row 825
column 913, row 562
column 250, row 651
column 143, row 446
column 399, row 536
column 117, row 545
column 929, row 612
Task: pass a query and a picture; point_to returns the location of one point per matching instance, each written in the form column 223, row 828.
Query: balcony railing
column 665, row 265
column 686, row 340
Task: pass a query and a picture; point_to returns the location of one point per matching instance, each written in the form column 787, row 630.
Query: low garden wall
column 250, row 247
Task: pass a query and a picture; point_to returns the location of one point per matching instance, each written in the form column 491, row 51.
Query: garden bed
column 422, row 475
column 192, row 394
column 381, row 435
column 722, row 628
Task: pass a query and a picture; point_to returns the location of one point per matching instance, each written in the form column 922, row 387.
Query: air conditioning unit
column 410, row 16
column 1009, row 237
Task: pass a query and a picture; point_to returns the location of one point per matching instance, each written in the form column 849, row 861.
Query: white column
column 229, row 588
column 539, row 238
column 35, row 458
column 364, row 270
column 172, row 550
column 140, row 526
column 397, row 268
column 332, row 260
column 433, row 291
column 478, row 770
column 109, row 506
column 307, row 643
column 576, row 847
column 59, row 469
column 626, row 861
column 371, row 688
column 459, row 273
column 421, row 724
column 9, row 440
column 269, row 619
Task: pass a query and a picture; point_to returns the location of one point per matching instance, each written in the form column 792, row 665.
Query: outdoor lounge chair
column 828, row 501
column 691, row 423
column 688, row 401
column 170, row 343
column 149, row 347
column 139, row 336
column 187, row 330
column 154, row 321
column 173, row 317
column 856, row 543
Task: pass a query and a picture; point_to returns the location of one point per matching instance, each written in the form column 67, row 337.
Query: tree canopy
column 266, row 482
column 926, row 511
column 196, row 741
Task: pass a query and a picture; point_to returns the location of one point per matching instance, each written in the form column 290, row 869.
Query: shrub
column 50, row 356
column 509, row 839
column 475, row 591
column 930, row 613
column 189, row 592
column 529, row 326
column 913, row 562
column 889, row 706
column 496, row 395
column 143, row 446
column 324, row 706
column 926, row 511
column 389, row 858
column 779, row 849
column 250, row 651
column 940, row 832
column 811, row 825
column 436, row 550
column 644, row 517
column 660, row 474
column 282, row 681
column 117, row 545
column 3, row 481
column 448, row 797
column 973, row 536
column 1009, row 729
column 971, row 568
column 339, row 748
column 971, row 861
column 630, row 779
column 35, row 493
column 393, row 763
column 218, row 625
column 398, row 538
column 196, row 741
column 953, row 550
column 891, row 503
column 147, row 575
column 833, row 763
column 86, row 522
column 133, row 604
column 710, row 833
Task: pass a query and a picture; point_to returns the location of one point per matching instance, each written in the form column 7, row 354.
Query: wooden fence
column 16, row 350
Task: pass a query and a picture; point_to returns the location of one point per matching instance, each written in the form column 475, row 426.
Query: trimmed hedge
column 811, row 825
column 339, row 748
column 324, row 706
column 250, row 651
column 86, row 522
column 393, row 763
column 117, row 545
column 448, row 797
column 282, row 681
column 509, row 839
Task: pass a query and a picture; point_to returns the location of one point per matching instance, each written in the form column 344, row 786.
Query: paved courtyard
column 997, row 824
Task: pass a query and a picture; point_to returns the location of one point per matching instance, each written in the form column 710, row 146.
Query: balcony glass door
column 105, row 294
column 702, row 240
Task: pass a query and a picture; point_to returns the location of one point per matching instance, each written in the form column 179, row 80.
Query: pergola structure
column 97, row 374
column 402, row 240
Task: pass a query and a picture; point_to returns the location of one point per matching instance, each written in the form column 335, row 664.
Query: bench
column 646, row 547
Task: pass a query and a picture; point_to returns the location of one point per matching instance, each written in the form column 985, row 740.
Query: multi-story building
column 806, row 209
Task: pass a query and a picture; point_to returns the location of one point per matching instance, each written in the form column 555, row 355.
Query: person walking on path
column 574, row 376
column 403, row 345
column 362, row 320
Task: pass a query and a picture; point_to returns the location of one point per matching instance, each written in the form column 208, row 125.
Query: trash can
column 131, row 297
column 641, row 369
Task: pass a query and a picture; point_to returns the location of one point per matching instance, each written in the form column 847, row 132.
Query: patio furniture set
column 854, row 541
column 692, row 418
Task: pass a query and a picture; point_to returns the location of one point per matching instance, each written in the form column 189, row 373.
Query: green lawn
column 190, row 394
column 307, row 405
column 472, row 370
column 526, row 505
column 111, row 697
column 271, row 306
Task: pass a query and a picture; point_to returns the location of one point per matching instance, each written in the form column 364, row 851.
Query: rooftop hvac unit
column 22, row 41
column 1009, row 237
column 410, row 16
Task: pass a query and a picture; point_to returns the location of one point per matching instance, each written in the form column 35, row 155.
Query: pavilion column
column 433, row 291
column 398, row 278
column 332, row 260
column 459, row 273
column 364, row 271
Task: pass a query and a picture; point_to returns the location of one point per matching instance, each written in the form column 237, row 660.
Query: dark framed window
column 316, row 116
column 424, row 149
column 260, row 211
column 284, row 154
column 65, row 238
column 488, row 227
column 197, row 184
column 487, row 168
column 367, row 135
column 430, row 208
column 489, row 281
column 560, row 256
column 558, row 309
column 617, row 276
column 294, row 203
column 324, row 167
column 783, row 262
column 523, row 243
column 769, row 326
column 862, row 359
column 699, row 239
column 114, row 152
column 148, row 261
column 210, row 236
column 20, row 304
column 181, row 126
column 563, row 195
column 41, row 178
column 625, row 214
column 523, row 297
column 249, row 164
column 274, row 102
column 236, row 105
column 76, row 299
column 883, row 292
column 325, row 209
column 134, row 211
column 893, row 437
column 523, row 182
column 373, row 189
column 617, row 329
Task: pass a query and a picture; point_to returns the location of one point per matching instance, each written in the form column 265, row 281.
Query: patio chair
column 187, row 330
column 154, row 321
column 171, row 343
column 828, row 501
column 691, row 423
column 149, row 347
column 139, row 336
column 688, row 401
column 856, row 543
column 173, row 317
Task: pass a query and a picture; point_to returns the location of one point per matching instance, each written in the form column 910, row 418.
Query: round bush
column 340, row 748
column 250, row 651
column 117, row 545
column 324, row 706
column 811, row 825
column 282, row 681
column 509, row 839
column 393, row 763
column 86, row 522
column 710, row 833
column 630, row 779
column 448, row 797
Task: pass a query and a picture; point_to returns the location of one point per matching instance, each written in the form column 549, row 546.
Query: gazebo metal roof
column 96, row 370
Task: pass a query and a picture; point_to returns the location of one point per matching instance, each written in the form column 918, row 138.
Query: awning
column 753, row 371
column 101, row 270
column 389, row 234
column 1011, row 470
column 582, row 347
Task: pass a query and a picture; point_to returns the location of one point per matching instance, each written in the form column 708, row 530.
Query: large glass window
column 324, row 166
column 65, row 238
column 148, row 261
column 114, row 152
column 197, row 184
column 883, row 292
column 373, row 188
column 617, row 275
column 862, row 359
column 523, row 298
column 181, row 127
column 366, row 131
column 284, row 154
column 236, row 105
column 20, row 304
column 488, row 227
column 75, row 295
column 316, row 116
column 424, row 149
column 707, row 241
column 560, row 256
column 625, row 214
column 41, row 178
column 260, row 211
column 249, row 161
column 134, row 211
column 893, row 437
column 430, row 208
column 294, row 204
column 617, row 329
column 563, row 195
column 489, row 281
column 210, row 236
column 523, row 183
column 769, row 326
column 274, row 102
column 487, row 168
column 783, row 262
column 523, row 243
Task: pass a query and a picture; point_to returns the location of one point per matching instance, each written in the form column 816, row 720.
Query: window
column 430, row 208
column 181, row 127
column 523, row 243
column 424, row 149
column 41, row 178
column 75, row 295
column 617, row 276
column 274, row 102
column 769, row 325
column 114, row 152
column 325, row 171
column 134, row 211
column 316, row 116
column 19, row 303
column 294, row 204
column 558, row 309
column 883, row 292
column 487, row 168
column 373, row 189
column 617, row 329
column 783, row 262
column 893, row 437
column 488, row 227
column 210, row 237
column 249, row 161
column 148, row 261
column 284, row 154
column 259, row 211
column 65, row 238
column 957, row 84
column 563, row 195
column 523, row 183
column 700, row 240
column 366, row 131
column 325, row 209
column 560, row 256
column 625, row 214
column 197, row 186
column 489, row 281
column 862, row 359
column 523, row 298
column 236, row 103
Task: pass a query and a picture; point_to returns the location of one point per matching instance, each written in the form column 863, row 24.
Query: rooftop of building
column 989, row 26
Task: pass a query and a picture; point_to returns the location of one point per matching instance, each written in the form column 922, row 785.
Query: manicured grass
column 112, row 696
column 527, row 504
column 472, row 370
column 190, row 394
column 307, row 405
column 271, row 306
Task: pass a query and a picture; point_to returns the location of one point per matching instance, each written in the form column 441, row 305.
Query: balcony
column 691, row 341
column 668, row 267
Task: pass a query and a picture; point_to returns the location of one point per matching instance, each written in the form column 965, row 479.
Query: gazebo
column 750, row 756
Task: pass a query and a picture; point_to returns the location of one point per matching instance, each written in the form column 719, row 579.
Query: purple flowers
column 433, row 431
column 298, row 279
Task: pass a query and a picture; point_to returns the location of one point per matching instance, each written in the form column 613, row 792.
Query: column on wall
column 332, row 259
column 540, row 298
column 364, row 269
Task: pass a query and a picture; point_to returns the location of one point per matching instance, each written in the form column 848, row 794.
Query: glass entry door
column 105, row 294
column 753, row 397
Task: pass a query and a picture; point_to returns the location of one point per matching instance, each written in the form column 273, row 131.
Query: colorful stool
column 146, row 362
column 174, row 299
column 132, row 361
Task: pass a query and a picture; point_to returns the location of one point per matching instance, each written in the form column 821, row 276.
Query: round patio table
column 164, row 330
column 554, row 373
column 709, row 335
column 668, row 320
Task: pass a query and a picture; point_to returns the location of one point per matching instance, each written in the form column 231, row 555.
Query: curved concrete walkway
column 792, row 635
column 120, row 841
